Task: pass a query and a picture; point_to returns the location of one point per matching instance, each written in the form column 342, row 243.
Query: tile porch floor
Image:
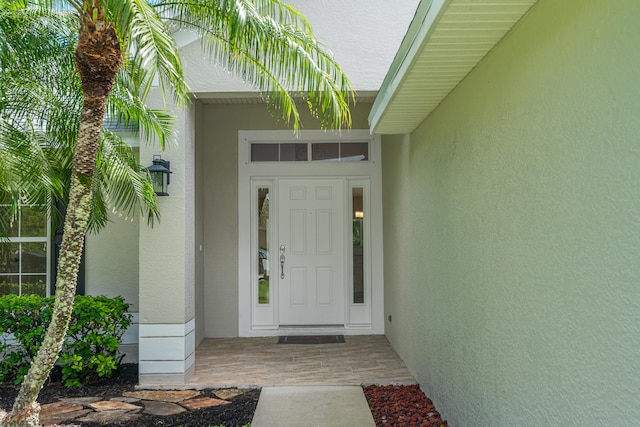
column 261, row 362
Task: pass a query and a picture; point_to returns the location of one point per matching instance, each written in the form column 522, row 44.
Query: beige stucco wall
column 111, row 263
column 111, row 256
column 219, row 141
column 167, row 255
column 512, row 228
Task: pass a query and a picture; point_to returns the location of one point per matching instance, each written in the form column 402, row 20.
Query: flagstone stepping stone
column 173, row 396
column 202, row 402
column 58, row 408
column 113, row 405
column 127, row 399
column 229, row 393
column 53, row 413
column 156, row 407
column 81, row 400
column 108, row 417
column 63, row 417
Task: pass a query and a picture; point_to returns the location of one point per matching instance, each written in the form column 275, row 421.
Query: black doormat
column 311, row 339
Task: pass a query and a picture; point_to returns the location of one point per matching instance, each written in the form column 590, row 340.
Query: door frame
column 262, row 320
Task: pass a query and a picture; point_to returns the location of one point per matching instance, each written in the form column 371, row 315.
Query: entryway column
column 167, row 269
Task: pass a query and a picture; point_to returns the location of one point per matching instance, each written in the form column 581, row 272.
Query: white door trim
column 368, row 318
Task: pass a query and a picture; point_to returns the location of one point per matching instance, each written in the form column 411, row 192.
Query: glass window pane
column 358, row 247
column 264, row 152
column 9, row 284
column 9, row 258
column 354, row 152
column 263, row 246
column 293, row 153
column 33, row 221
column 10, row 223
column 34, row 284
column 325, row 152
column 34, row 257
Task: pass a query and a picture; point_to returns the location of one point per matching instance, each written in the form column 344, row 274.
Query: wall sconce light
column 159, row 172
column 359, row 214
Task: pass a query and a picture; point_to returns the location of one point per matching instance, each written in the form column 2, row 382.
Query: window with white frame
column 305, row 152
column 24, row 251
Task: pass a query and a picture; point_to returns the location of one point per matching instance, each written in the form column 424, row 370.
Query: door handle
column 282, row 248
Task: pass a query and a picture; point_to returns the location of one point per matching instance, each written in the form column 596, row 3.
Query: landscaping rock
column 58, row 408
column 113, row 405
column 229, row 393
column 202, row 403
column 173, row 396
column 108, row 417
column 162, row 408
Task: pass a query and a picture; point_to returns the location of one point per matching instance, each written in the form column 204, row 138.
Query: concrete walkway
column 312, row 406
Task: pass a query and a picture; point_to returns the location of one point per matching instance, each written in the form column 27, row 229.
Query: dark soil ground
column 238, row 413
column 391, row 406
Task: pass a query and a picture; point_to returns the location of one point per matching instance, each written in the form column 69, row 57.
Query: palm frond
column 272, row 47
column 126, row 104
column 124, row 183
column 150, row 44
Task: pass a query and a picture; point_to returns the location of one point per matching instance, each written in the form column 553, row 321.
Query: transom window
column 24, row 251
column 314, row 152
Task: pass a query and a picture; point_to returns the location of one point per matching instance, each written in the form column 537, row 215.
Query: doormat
column 311, row 339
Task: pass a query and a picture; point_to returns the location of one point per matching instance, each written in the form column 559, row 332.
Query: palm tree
column 266, row 42
column 39, row 116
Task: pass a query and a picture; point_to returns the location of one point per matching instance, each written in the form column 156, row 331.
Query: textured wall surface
column 512, row 228
column 167, row 266
column 363, row 36
column 112, row 260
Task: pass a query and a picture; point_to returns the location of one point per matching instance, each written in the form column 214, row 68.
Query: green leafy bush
column 90, row 348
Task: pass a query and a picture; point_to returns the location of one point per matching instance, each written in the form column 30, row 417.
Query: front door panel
column 311, row 227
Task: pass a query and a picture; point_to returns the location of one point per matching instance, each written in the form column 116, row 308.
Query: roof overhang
column 230, row 98
column 445, row 41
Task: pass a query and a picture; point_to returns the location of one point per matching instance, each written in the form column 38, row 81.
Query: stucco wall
column 111, row 267
column 219, row 142
column 512, row 228
column 167, row 255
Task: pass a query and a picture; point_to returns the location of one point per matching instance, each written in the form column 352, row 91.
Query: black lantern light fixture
column 159, row 172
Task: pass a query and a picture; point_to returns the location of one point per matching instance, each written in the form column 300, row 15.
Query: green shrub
column 90, row 348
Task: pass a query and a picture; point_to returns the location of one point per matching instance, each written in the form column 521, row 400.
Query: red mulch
column 402, row 406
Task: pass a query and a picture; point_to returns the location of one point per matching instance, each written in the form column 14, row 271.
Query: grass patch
column 263, row 291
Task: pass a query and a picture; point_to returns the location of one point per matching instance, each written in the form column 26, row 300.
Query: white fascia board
column 184, row 38
column 423, row 24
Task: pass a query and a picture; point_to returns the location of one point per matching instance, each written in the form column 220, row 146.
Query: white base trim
column 167, row 351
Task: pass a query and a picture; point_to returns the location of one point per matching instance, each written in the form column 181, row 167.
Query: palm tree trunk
column 98, row 59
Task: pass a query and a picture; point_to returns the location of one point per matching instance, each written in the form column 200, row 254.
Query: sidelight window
column 357, row 216
column 264, row 246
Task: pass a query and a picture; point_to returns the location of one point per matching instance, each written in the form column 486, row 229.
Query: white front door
column 310, row 251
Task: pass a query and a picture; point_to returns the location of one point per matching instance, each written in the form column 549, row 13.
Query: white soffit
column 234, row 98
column 445, row 41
